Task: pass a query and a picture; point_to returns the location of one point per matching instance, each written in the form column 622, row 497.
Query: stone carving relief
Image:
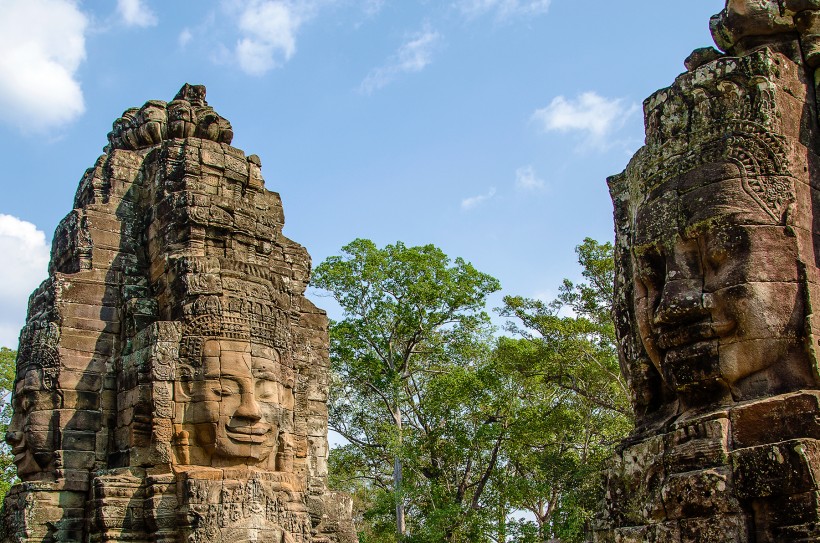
column 715, row 302
column 188, row 115
column 36, row 399
column 235, row 394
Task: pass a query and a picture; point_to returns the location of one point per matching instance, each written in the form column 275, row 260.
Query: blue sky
column 486, row 127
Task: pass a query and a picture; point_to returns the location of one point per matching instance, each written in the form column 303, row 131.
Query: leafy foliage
column 8, row 472
column 405, row 362
column 567, row 347
column 458, row 430
column 573, row 337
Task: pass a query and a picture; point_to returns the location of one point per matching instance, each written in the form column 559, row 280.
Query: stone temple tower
column 718, row 290
column 172, row 377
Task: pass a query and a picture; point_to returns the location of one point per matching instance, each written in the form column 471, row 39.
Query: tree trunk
column 397, row 481
column 502, row 519
column 397, row 477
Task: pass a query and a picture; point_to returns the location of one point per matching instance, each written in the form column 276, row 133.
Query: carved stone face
column 30, row 434
column 180, row 119
column 235, row 406
column 718, row 299
column 152, row 123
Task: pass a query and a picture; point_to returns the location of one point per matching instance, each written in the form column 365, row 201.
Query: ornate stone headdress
column 727, row 110
column 207, row 319
column 39, row 349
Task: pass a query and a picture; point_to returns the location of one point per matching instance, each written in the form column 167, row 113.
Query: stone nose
column 249, row 407
column 681, row 302
column 13, row 437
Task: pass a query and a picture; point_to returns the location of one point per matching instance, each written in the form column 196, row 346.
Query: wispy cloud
column 503, row 9
column 413, row 56
column 136, row 13
column 185, row 37
column 43, row 44
column 267, row 31
column 527, row 179
column 24, row 245
column 589, row 114
column 372, row 7
column 475, row 201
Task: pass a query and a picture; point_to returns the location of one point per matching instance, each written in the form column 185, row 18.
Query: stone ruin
column 718, row 293
column 172, row 378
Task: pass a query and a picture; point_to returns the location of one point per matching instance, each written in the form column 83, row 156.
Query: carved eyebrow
column 265, row 373
column 234, row 376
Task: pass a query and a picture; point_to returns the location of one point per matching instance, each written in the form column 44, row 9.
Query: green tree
column 573, row 337
column 405, row 360
column 451, row 432
column 8, row 471
column 454, row 444
column 567, row 351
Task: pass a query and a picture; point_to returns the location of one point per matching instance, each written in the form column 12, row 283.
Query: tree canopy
column 567, row 347
column 452, row 430
column 413, row 318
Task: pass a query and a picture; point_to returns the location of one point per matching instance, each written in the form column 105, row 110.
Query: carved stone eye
column 715, row 256
column 218, row 391
column 651, row 270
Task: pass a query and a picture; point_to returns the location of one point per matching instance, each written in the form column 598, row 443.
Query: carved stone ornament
column 717, row 286
column 172, row 378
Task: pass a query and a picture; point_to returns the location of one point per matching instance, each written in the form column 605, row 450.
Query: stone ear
column 187, row 376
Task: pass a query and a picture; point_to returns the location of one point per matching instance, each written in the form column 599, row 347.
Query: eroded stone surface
column 172, row 377
column 717, row 229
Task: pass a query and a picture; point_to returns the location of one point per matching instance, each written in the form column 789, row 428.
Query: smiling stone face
column 30, row 433
column 718, row 300
column 717, row 261
column 235, row 406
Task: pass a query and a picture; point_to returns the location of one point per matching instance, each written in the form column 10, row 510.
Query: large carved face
column 235, row 406
column 718, row 299
column 30, row 433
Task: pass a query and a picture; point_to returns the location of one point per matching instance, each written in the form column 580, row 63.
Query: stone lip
column 187, row 115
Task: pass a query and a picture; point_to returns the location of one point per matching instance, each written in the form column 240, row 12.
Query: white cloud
column 185, row 37
column 136, row 13
column 372, row 7
column 24, row 246
column 42, row 44
column 503, row 9
column 589, row 114
column 545, row 295
column 527, row 179
column 413, row 56
column 267, row 31
column 474, row 201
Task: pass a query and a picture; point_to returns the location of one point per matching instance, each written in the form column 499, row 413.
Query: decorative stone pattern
column 717, row 285
column 172, row 377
